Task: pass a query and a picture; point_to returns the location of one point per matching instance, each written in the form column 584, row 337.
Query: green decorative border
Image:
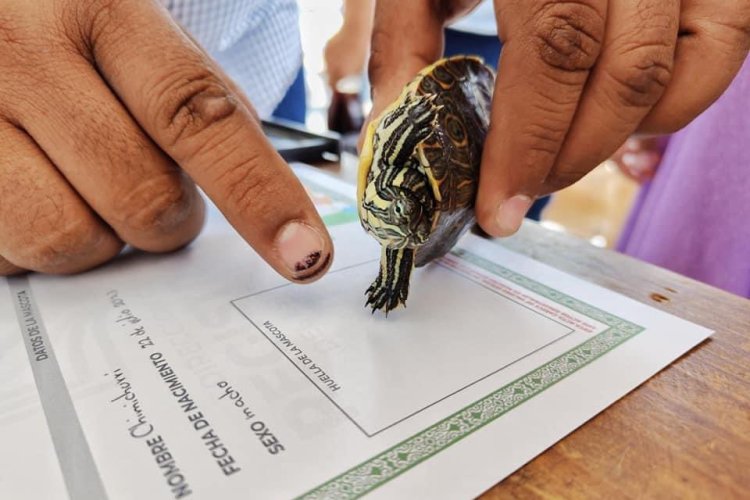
column 337, row 218
column 414, row 450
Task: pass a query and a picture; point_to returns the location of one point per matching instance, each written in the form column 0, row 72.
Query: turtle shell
column 459, row 92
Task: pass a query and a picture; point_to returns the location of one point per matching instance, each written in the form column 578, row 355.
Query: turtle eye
column 398, row 207
column 401, row 208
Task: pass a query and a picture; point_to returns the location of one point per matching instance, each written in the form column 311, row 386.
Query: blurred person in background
column 692, row 214
column 258, row 44
column 345, row 56
column 347, row 51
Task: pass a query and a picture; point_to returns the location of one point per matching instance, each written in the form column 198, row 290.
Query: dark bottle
column 345, row 114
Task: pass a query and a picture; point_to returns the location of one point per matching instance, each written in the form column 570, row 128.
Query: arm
column 110, row 116
column 346, row 52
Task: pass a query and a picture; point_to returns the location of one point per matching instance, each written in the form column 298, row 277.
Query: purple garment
column 694, row 216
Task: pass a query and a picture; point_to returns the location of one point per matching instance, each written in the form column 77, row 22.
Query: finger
column 639, row 157
column 640, row 166
column 549, row 50
column 331, row 62
column 177, row 97
column 635, row 161
column 136, row 188
column 407, row 36
column 233, row 86
column 44, row 225
column 713, row 44
column 629, row 78
column 8, row 269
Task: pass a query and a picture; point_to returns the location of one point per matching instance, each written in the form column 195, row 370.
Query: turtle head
column 398, row 217
column 397, row 202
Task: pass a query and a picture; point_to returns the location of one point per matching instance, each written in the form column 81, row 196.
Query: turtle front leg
column 391, row 288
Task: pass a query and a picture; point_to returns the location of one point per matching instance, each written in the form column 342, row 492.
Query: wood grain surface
column 683, row 434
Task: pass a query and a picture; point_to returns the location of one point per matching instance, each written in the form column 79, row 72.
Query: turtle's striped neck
column 398, row 206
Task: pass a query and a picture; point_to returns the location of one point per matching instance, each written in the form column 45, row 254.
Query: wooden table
column 685, row 433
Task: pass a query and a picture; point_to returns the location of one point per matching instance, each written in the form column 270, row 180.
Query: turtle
column 419, row 171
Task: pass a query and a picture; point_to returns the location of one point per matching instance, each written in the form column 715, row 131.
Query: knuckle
column 191, row 105
column 643, row 82
column 20, row 49
column 11, row 33
column 98, row 14
column 733, row 33
column 248, row 187
column 541, row 145
column 545, row 139
column 158, row 206
column 94, row 24
column 569, row 35
column 33, row 57
column 8, row 269
column 62, row 247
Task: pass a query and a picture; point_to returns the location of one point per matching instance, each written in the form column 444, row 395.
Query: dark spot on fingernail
column 317, row 269
column 657, row 297
column 307, row 263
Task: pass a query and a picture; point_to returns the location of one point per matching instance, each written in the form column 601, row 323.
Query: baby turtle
column 419, row 171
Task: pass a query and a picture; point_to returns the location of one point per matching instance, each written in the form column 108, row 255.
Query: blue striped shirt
column 257, row 42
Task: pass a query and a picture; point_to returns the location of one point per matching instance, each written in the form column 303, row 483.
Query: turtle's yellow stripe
column 367, row 156
column 365, row 162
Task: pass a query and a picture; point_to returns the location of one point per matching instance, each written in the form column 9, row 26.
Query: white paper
column 248, row 387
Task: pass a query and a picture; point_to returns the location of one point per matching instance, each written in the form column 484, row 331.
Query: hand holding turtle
column 575, row 80
column 109, row 114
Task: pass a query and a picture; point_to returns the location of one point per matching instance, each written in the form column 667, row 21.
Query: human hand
column 639, row 157
column 346, row 55
column 575, row 80
column 346, row 52
column 108, row 113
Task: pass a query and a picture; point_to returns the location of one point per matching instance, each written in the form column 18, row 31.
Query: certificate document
column 203, row 374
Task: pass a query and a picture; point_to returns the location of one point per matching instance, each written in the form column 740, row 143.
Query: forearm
column 359, row 16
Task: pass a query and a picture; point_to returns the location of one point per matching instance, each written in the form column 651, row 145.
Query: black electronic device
column 295, row 143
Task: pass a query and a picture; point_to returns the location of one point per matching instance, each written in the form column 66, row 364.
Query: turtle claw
column 382, row 298
column 391, row 288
